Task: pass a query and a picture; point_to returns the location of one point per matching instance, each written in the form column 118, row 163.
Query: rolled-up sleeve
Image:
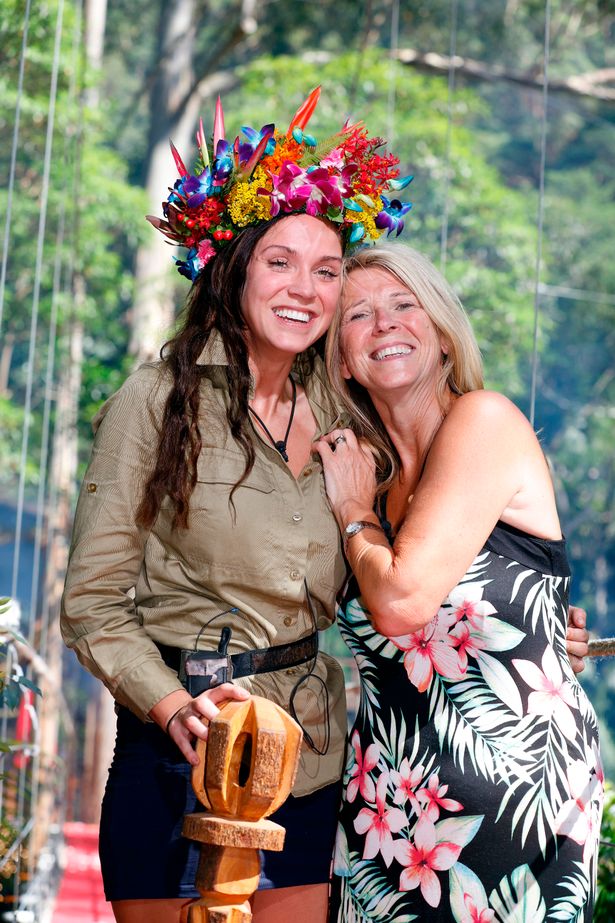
column 99, row 619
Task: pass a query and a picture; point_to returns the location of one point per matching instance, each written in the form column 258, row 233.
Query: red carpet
column 81, row 898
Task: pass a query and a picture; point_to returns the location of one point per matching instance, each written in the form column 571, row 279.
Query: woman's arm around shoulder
column 478, row 466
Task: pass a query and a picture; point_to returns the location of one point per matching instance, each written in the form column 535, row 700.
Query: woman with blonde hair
column 473, row 788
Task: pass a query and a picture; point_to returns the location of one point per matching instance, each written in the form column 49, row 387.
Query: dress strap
column 381, row 513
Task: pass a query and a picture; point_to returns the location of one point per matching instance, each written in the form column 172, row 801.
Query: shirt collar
column 316, row 385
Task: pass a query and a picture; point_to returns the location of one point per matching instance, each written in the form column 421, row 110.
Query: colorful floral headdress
column 270, row 173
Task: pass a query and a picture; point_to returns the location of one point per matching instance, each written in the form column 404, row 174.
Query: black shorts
column 142, row 851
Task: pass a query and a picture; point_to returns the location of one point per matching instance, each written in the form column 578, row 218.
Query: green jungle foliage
column 476, row 160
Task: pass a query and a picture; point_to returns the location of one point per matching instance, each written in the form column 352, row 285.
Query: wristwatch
column 355, row 526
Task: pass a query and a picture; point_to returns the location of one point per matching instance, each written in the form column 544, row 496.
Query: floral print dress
column 473, row 787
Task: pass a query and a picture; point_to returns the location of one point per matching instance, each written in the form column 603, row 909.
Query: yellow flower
column 367, row 217
column 245, row 205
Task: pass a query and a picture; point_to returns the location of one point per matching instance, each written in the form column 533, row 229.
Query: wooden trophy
column 246, row 771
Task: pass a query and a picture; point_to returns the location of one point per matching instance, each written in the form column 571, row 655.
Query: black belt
column 247, row 663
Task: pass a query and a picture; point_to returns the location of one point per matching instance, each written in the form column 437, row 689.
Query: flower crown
column 271, row 173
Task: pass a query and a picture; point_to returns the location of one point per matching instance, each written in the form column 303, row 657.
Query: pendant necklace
column 280, row 444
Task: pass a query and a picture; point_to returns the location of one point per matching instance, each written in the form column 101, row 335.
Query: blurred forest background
column 457, row 88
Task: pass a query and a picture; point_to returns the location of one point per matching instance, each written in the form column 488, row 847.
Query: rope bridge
column 602, row 647
column 24, row 756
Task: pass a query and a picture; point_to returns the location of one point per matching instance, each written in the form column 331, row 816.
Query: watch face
column 353, row 527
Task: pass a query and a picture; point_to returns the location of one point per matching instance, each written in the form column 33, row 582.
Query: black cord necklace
column 280, row 444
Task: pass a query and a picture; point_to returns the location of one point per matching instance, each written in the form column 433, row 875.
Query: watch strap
column 356, row 526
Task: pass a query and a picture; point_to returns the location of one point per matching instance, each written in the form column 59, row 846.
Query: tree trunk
column 176, row 99
column 171, row 117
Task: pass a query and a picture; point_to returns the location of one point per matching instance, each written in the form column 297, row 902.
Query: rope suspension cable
column 37, row 289
column 9, row 657
column 33, row 327
column 391, row 99
column 449, row 132
column 61, row 421
column 59, row 284
column 541, row 196
column 14, row 147
column 598, row 647
column 576, row 294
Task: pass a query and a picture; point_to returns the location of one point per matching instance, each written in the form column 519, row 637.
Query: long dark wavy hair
column 214, row 304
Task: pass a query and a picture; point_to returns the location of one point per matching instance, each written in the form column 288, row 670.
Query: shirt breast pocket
column 230, row 530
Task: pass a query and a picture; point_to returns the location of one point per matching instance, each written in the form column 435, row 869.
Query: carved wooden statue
column 246, row 771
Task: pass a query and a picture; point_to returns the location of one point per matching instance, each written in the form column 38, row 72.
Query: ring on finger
column 339, row 439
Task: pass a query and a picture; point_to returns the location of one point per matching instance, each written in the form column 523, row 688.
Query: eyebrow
column 291, row 250
column 403, row 293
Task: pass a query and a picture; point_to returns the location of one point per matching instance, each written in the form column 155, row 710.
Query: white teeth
column 392, row 351
column 287, row 314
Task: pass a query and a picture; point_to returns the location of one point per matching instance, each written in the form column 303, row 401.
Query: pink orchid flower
column 289, row 189
column 432, row 798
column 406, row 781
column 554, row 696
column 205, row 251
column 431, row 648
column 467, row 602
column 468, row 645
column 326, row 190
column 334, row 159
column 597, row 763
column 474, row 915
column 380, row 824
column 579, row 816
column 422, row 859
column 360, row 780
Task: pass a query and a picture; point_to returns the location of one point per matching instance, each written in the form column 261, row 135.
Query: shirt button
column 297, row 517
column 91, row 488
column 295, row 575
column 307, row 472
column 288, row 621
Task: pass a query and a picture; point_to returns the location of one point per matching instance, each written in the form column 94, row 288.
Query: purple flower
column 223, row 163
column 392, row 215
column 314, row 189
column 290, row 190
column 254, row 139
column 325, row 191
column 191, row 266
column 195, row 189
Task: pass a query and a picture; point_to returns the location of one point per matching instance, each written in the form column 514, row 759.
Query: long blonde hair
column 461, row 371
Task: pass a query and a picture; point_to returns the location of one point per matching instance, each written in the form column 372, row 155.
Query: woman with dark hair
column 474, row 786
column 203, row 523
column 203, row 539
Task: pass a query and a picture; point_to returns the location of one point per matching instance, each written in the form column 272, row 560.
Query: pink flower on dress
column 406, row 781
column 360, row 780
column 597, row 763
column 474, row 915
column 380, row 824
column 468, row 644
column 432, row 798
column 467, row 601
column 579, row 816
column 422, row 859
column 431, row 648
column 554, row 695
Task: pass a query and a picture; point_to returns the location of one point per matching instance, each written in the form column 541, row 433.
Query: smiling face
column 387, row 340
column 292, row 286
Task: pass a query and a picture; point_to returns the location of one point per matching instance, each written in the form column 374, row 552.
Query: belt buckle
column 203, row 670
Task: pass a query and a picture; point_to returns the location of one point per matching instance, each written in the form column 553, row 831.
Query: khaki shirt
column 127, row 587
